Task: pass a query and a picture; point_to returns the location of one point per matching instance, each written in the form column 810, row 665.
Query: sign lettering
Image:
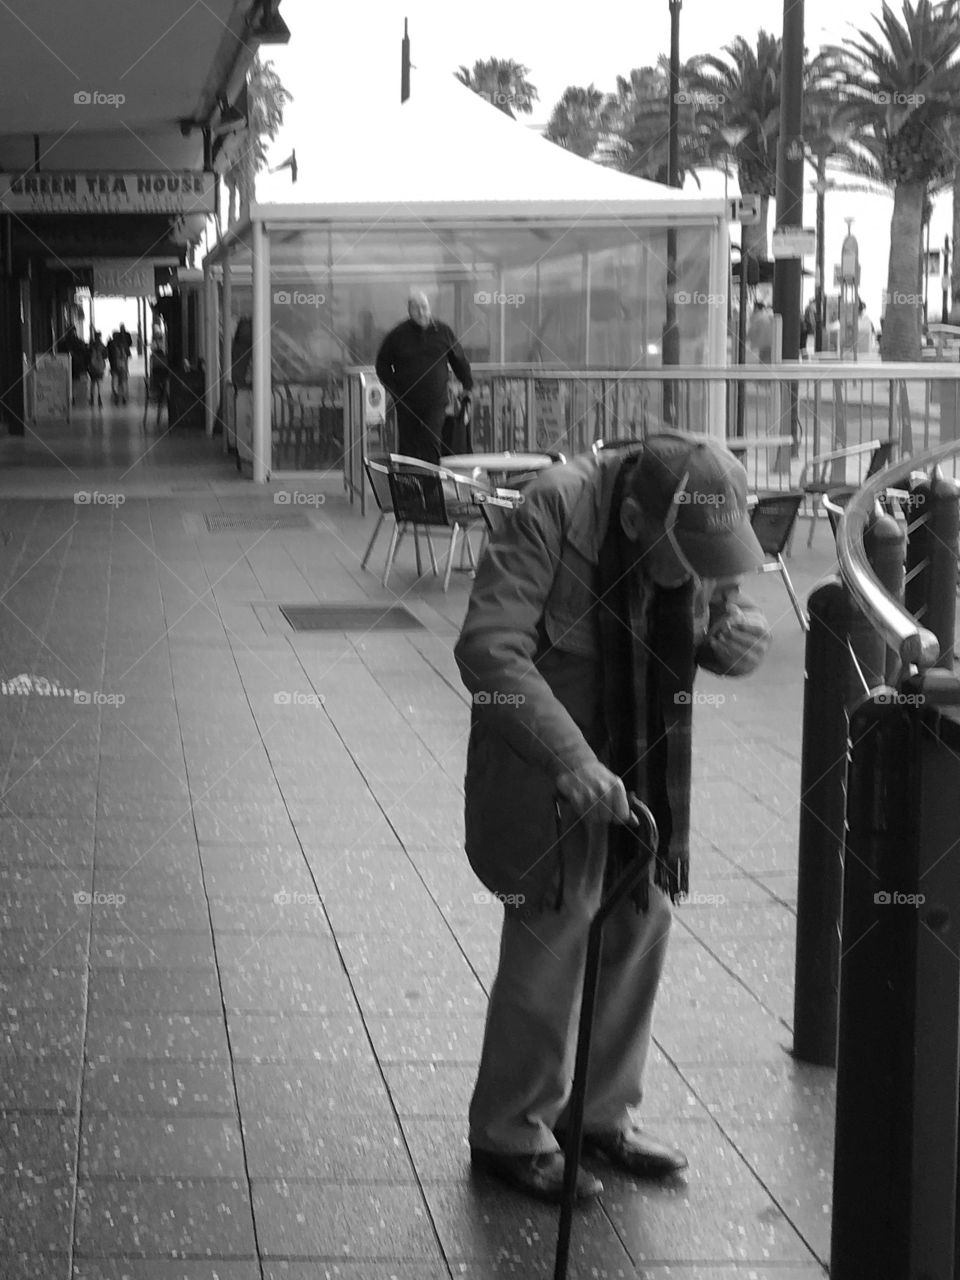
column 147, row 191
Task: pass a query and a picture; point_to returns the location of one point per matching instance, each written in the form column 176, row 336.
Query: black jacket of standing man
column 413, row 364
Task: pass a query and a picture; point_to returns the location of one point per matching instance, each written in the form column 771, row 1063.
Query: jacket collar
column 592, row 514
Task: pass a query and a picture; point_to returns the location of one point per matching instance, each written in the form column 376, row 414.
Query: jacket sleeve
column 459, row 362
column 499, row 640
column 713, row 654
column 384, row 363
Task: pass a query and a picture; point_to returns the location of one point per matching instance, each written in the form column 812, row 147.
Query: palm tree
column 740, row 93
column 579, row 120
column 638, row 115
column 266, row 99
column 502, row 82
column 900, row 89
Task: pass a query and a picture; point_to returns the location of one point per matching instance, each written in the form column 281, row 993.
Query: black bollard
column 822, row 772
column 898, row 1060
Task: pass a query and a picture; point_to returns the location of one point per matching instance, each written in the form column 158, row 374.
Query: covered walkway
column 243, row 961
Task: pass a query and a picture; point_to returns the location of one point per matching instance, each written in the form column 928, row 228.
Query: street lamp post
column 671, row 335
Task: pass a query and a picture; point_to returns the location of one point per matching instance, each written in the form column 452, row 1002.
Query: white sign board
column 123, row 278
column 108, row 191
column 794, row 242
column 49, row 389
column 743, row 209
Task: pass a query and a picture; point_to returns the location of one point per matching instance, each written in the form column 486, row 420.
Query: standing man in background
column 413, row 363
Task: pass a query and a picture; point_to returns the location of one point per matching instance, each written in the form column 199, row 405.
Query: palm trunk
column 755, row 234
column 955, row 260
column 901, row 324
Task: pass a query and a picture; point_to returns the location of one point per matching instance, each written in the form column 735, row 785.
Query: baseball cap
column 698, row 489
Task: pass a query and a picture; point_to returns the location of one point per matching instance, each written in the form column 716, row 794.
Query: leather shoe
column 636, row 1152
column 539, row 1173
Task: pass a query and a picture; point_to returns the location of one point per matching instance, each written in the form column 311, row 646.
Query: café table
column 497, row 465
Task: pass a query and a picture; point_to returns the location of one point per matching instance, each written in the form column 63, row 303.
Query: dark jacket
column 530, row 654
column 412, row 364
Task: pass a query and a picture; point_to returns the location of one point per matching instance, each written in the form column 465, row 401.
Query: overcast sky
column 343, row 67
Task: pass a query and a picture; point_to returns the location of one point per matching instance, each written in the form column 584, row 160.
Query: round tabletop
column 502, row 462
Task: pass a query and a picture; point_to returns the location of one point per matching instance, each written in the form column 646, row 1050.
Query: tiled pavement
column 243, row 961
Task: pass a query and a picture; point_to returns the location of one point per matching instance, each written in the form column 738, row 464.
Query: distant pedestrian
column 96, row 366
column 760, row 333
column 413, row 364
column 118, row 357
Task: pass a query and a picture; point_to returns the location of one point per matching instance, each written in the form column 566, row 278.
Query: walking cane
column 627, row 882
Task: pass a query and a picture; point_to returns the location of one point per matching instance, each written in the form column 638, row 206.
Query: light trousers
column 526, row 1066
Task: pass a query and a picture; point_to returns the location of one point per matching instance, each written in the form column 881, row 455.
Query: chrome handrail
column 915, row 645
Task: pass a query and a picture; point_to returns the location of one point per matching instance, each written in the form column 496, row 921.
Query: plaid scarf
column 648, row 658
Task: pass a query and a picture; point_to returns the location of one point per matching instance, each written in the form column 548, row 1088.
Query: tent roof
column 448, row 153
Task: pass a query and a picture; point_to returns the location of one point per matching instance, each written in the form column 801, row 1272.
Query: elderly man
column 413, row 363
column 592, row 609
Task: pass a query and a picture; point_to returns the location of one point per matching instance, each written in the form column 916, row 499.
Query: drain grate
column 350, row 617
column 257, row 524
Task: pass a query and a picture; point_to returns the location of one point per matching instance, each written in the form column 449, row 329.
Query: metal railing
column 822, row 407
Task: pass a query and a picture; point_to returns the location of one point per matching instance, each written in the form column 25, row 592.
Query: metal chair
column 773, row 518
column 881, row 455
column 422, row 498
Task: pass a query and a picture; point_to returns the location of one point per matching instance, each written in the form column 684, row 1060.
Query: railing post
column 932, row 550
column 883, row 543
column 822, row 769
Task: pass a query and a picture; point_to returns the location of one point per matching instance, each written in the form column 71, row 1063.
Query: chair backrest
column 880, row 458
column 378, row 473
column 836, row 498
column 773, row 519
column 418, row 495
